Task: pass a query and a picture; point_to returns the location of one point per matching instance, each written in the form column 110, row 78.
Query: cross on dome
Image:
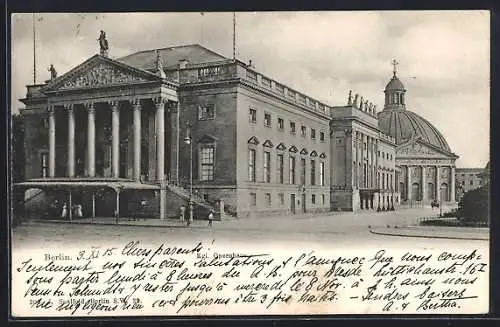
column 394, row 63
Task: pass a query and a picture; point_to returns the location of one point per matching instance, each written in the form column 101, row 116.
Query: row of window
column 281, row 199
column 280, row 169
column 385, row 155
column 281, row 125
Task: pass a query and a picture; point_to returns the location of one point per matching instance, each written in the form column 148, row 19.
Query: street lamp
column 188, row 141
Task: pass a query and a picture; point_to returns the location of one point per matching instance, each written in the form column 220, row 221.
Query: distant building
column 467, row 179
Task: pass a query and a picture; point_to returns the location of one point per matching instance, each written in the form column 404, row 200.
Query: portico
column 109, row 120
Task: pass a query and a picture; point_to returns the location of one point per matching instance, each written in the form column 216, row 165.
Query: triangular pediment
column 418, row 148
column 293, row 149
column 207, row 138
column 281, row 146
column 304, row 151
column 314, row 153
column 268, row 144
column 253, row 140
column 322, row 155
column 99, row 71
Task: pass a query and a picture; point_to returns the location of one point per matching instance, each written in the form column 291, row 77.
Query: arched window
column 445, row 196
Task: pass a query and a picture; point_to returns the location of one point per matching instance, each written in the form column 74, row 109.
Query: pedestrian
column 210, row 218
column 182, row 212
column 79, row 212
column 64, row 211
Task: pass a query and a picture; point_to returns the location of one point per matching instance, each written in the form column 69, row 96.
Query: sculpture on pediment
column 355, row 103
column 349, row 98
column 103, row 44
column 53, row 72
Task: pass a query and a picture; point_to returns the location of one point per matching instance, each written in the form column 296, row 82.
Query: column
column 424, row 190
column 52, row 142
column 452, row 183
column 90, row 139
column 160, row 139
column 437, row 186
column 115, row 145
column 408, row 182
column 356, row 165
column 362, row 160
column 136, row 107
column 71, row 140
column 375, row 153
column 174, row 110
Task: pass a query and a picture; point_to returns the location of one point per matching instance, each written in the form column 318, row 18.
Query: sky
column 444, row 56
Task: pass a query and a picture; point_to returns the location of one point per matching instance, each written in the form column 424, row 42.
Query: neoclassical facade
column 424, row 160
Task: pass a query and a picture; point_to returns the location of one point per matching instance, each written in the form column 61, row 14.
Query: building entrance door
column 303, row 202
column 292, row 203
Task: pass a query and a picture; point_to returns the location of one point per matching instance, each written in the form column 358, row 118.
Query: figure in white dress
column 64, row 211
column 79, row 212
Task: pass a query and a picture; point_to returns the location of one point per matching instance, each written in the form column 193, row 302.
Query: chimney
column 250, row 64
column 183, row 63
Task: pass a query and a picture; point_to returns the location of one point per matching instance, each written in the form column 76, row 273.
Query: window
column 253, row 199
column 383, row 180
column 321, row 136
column 267, row 167
column 206, row 112
column 323, row 198
column 313, row 199
column 471, row 183
column 281, row 124
column 390, row 182
column 267, row 120
column 268, row 199
column 252, row 115
column 292, row 170
column 313, row 172
column 209, row 71
column 292, row 127
column 282, row 198
column 387, row 156
column 280, row 168
column 251, row 165
column 322, row 174
column 378, row 153
column 313, row 134
column 207, row 163
column 303, row 130
column 44, row 165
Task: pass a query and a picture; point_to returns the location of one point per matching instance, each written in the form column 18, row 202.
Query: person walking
column 64, row 211
column 210, row 218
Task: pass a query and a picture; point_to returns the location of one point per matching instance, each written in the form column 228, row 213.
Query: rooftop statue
column 103, row 43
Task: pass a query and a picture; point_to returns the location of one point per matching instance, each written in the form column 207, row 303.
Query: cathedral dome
column 405, row 125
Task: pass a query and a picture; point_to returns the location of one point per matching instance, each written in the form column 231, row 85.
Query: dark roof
column 405, row 125
column 395, row 84
column 194, row 53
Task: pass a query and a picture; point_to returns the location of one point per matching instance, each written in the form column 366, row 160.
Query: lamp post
column 188, row 141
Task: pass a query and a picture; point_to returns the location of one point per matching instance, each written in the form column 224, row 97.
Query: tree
column 475, row 206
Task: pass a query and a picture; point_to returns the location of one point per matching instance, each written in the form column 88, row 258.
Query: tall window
column 253, row 199
column 383, row 181
column 44, row 158
column 282, row 198
column 322, row 174
column 292, row 170
column 321, row 136
column 267, row 120
column 292, row 127
column 252, row 115
column 302, row 171
column 268, row 199
column 390, row 181
column 313, row 172
column 251, row 165
column 281, row 124
column 206, row 112
column 267, row 167
column 280, row 168
column 207, row 161
column 303, row 130
column 313, row 133
column 313, row 199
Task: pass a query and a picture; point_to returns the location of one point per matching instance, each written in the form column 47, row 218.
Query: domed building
column 425, row 164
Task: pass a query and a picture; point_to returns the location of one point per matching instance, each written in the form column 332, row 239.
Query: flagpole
column 34, row 51
column 234, row 35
